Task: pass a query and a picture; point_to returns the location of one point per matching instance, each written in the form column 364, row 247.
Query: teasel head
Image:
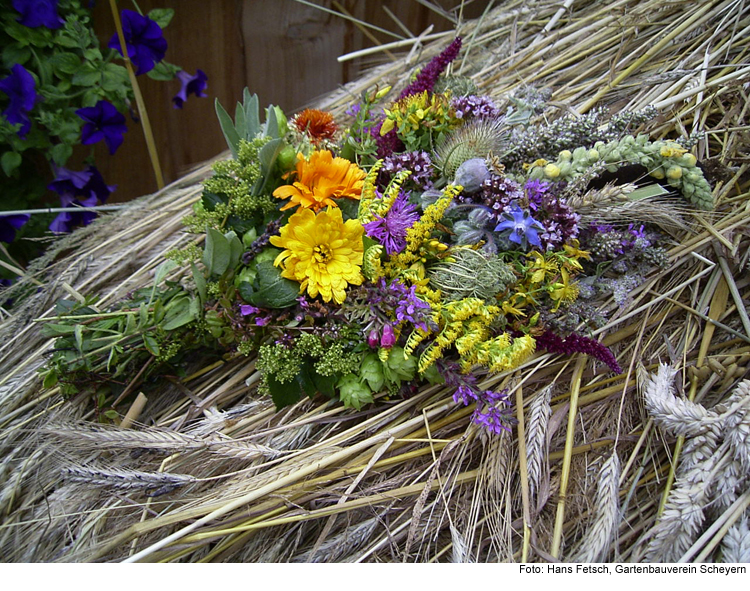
column 477, row 139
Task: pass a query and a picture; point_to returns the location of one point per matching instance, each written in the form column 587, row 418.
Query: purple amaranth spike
column 575, row 343
column 428, row 75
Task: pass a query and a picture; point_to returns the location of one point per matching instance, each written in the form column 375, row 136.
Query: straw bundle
column 649, row 465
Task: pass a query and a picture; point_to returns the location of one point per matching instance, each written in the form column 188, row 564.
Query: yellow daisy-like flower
column 320, row 180
column 321, row 252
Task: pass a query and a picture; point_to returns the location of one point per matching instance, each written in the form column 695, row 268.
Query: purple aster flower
column 38, row 13
column 428, row 75
column 522, row 226
column 103, row 122
column 21, row 90
column 190, row 85
column 144, row 39
column 83, row 188
column 10, row 223
column 391, row 229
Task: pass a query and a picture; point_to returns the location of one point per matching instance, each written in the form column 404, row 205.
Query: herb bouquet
column 436, row 238
column 424, row 325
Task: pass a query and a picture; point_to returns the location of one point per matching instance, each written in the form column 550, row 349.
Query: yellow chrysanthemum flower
column 322, row 252
column 320, row 180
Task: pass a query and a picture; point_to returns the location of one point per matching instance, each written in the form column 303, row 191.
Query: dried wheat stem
column 565, row 472
column 524, row 473
column 719, row 528
column 736, row 543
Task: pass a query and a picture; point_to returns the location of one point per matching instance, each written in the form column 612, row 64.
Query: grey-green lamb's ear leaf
column 239, row 121
column 252, row 114
column 228, row 128
column 272, row 123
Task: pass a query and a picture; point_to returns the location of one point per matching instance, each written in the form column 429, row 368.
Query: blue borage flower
column 103, row 122
column 20, row 87
column 521, row 226
column 144, row 39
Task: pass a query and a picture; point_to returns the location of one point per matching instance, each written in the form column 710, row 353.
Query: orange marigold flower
column 320, row 180
column 319, row 125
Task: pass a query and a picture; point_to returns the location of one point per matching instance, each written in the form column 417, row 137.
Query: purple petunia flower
column 21, row 90
column 522, row 226
column 391, row 229
column 10, row 223
column 190, row 84
column 144, row 39
column 38, row 13
column 83, row 188
column 103, row 122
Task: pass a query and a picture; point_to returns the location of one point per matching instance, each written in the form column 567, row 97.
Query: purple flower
column 522, row 226
column 391, row 229
column 493, row 417
column 410, row 308
column 373, row 339
column 247, row 309
column 21, row 90
column 83, row 188
column 427, row 77
column 465, row 395
column 418, row 163
column 103, row 122
column 10, row 223
column 388, row 338
column 473, row 106
column 575, row 343
column 144, row 39
column 38, row 13
column 190, row 85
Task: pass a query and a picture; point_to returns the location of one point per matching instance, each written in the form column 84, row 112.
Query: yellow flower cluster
column 321, row 252
column 419, row 110
column 501, row 353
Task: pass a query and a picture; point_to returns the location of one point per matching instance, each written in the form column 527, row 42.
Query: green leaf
column 239, row 120
column 227, row 128
column 252, row 114
column 14, row 54
column 272, row 291
column 92, row 54
column 10, row 161
column 272, row 124
column 65, row 62
column 372, row 372
column 113, row 415
column 200, row 282
column 151, row 344
column 51, row 330
column 114, row 77
column 78, row 331
column 217, row 252
column 283, row 394
column 60, row 153
column 180, row 316
column 235, row 249
column 162, row 16
column 163, row 71
column 353, row 392
column 50, row 380
column 87, row 75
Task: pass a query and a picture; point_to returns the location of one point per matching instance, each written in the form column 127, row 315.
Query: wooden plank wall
column 282, row 50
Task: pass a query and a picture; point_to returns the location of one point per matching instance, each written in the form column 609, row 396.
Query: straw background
column 595, row 460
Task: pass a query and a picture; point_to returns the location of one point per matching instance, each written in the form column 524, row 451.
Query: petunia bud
column 388, row 339
column 373, row 339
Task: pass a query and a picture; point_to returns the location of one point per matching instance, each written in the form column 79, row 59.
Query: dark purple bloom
column 575, row 343
column 389, row 143
column 521, row 225
column 84, row 188
column 103, row 122
column 373, row 339
column 391, row 229
column 190, row 85
column 427, row 77
column 144, row 39
column 38, row 13
column 21, row 90
column 10, row 223
column 410, row 308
